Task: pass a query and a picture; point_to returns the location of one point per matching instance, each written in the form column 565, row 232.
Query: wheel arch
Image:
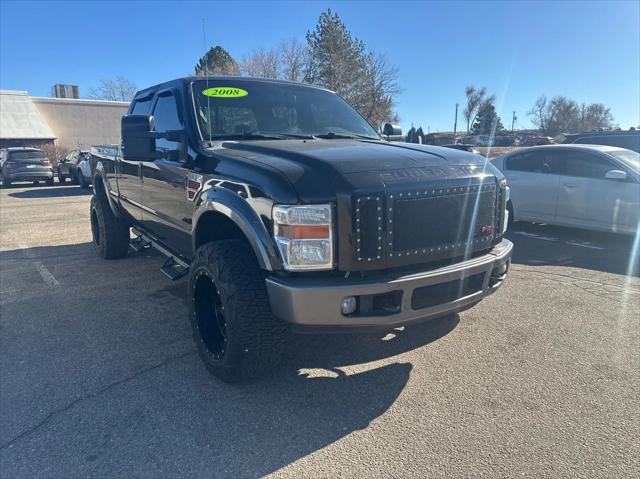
column 100, row 185
column 221, row 214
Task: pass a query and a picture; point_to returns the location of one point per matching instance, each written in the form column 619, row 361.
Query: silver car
column 584, row 186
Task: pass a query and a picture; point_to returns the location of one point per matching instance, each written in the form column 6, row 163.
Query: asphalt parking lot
column 99, row 376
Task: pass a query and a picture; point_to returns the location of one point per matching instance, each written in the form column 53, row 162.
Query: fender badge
column 194, row 183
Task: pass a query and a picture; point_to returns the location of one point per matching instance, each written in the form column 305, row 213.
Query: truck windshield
column 252, row 110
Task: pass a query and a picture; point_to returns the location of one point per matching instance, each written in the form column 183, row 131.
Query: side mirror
column 391, row 130
column 138, row 138
column 616, row 175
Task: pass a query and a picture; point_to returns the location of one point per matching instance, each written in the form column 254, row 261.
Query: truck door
column 129, row 173
column 164, row 182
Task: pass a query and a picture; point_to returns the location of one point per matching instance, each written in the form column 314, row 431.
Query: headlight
column 304, row 236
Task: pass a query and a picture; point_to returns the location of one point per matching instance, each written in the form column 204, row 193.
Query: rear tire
column 234, row 330
column 61, row 178
column 6, row 182
column 110, row 233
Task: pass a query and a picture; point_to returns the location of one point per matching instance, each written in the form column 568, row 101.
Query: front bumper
column 312, row 302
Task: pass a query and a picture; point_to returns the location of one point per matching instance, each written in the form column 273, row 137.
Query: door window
column 584, row 165
column 166, row 118
column 533, row 162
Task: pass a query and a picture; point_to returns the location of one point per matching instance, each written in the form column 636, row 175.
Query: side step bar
column 173, row 268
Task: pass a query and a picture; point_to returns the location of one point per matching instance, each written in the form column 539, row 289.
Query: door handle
column 570, row 185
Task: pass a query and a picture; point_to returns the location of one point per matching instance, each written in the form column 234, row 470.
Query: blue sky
column 519, row 50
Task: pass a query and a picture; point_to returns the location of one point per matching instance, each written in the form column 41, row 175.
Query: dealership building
column 68, row 123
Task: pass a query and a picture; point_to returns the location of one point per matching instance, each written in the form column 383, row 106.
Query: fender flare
column 100, row 176
column 235, row 208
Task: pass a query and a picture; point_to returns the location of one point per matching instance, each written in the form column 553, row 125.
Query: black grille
column 446, row 292
column 450, row 218
column 434, row 223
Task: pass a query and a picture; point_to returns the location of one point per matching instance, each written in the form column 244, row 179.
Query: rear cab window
column 141, row 106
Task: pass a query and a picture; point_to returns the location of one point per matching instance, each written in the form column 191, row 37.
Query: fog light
column 348, row 305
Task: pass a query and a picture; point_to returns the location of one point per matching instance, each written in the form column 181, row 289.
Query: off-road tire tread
column 256, row 339
column 114, row 232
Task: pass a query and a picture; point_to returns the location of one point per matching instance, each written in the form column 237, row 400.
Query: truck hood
column 318, row 169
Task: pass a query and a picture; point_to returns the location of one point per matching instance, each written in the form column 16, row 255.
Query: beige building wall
column 82, row 123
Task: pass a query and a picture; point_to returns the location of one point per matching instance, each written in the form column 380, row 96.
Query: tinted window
column 584, row 164
column 25, row 155
column 166, row 114
column 141, row 107
column 534, row 162
column 166, row 118
column 631, row 142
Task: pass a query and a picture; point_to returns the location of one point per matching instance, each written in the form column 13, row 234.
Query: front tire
column 234, row 330
column 6, row 182
column 49, row 182
column 110, row 233
column 61, row 177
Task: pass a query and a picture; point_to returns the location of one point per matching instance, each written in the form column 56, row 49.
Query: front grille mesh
column 417, row 226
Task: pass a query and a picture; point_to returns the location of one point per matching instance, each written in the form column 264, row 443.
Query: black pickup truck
column 288, row 211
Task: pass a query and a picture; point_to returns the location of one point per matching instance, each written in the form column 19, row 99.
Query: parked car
column 83, row 171
column 584, row 186
column 535, row 140
column 24, row 164
column 288, row 211
column 70, row 168
column 622, row 139
column 464, row 147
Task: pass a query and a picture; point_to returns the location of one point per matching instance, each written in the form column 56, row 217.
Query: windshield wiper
column 339, row 136
column 291, row 135
column 246, row 136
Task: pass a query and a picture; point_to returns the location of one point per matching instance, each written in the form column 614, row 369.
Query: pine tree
column 217, row 61
column 487, row 121
column 338, row 61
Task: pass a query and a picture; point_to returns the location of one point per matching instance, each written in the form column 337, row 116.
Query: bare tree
column 378, row 88
column 475, row 98
column 261, row 63
column 292, row 59
column 114, row 89
column 597, row 116
column 538, row 113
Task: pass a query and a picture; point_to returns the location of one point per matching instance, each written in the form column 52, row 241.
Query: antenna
column 206, row 72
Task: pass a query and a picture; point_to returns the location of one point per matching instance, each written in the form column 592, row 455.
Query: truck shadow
column 51, row 192
column 546, row 245
column 152, row 408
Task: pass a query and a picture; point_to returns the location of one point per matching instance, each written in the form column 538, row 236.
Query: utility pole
column 513, row 120
column 455, row 123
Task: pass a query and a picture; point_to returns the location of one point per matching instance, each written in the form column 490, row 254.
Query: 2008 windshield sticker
column 225, row 92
